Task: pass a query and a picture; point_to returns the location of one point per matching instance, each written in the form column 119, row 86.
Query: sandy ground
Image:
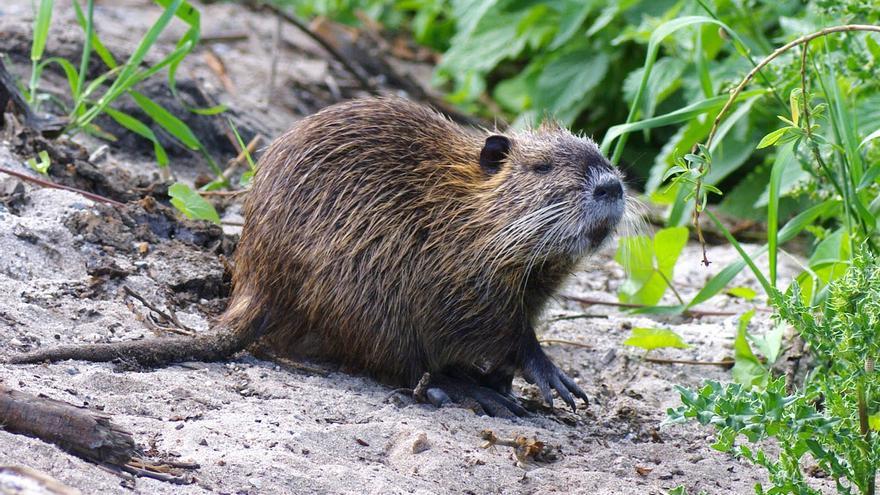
column 255, row 427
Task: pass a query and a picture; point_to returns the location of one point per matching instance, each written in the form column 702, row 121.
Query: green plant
column 91, row 98
column 41, row 166
column 828, row 419
column 650, row 339
column 650, row 265
column 191, row 204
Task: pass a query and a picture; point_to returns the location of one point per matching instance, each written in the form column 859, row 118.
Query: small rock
column 420, row 444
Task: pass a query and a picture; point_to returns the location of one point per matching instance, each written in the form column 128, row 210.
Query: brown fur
column 374, row 238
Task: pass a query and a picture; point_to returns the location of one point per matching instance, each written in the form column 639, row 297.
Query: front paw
column 537, row 369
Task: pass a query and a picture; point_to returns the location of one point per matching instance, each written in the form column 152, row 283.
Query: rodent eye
column 542, row 168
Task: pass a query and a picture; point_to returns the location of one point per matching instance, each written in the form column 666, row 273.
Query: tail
column 154, row 352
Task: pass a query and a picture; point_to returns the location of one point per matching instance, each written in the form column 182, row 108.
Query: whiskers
column 633, row 226
column 516, row 239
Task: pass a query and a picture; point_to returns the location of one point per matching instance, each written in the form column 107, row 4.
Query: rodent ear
column 494, row 151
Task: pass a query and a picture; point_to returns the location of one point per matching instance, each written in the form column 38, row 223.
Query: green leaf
column 140, row 129
column 668, row 244
column 742, row 292
column 191, row 204
column 657, row 36
column 41, row 29
column 655, row 338
column 747, row 369
column 573, row 16
column 770, row 345
column 167, row 121
column 683, row 114
column 870, row 137
column 41, row 167
column 783, row 156
column 770, row 139
column 565, row 82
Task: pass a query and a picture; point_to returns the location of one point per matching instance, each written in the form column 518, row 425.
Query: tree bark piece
column 86, row 433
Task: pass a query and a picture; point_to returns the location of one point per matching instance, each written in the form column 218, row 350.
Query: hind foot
column 483, row 400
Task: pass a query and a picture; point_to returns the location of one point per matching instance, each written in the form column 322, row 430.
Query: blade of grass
column 42, row 21
column 101, row 50
column 793, row 227
column 768, row 289
column 88, row 32
column 141, row 129
column 783, row 156
column 659, row 34
column 681, row 115
column 66, row 66
column 167, row 121
column 130, row 68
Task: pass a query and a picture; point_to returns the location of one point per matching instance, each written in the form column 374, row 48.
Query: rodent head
column 555, row 192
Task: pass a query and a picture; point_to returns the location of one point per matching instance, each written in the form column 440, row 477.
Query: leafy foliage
column 829, row 417
column 92, row 98
column 649, row 264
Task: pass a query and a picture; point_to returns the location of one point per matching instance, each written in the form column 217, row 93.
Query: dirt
column 255, row 426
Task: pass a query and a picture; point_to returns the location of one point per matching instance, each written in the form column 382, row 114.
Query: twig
column 794, row 362
column 156, row 475
column 696, row 313
column 86, row 433
column 581, row 316
column 259, row 5
column 230, row 194
column 803, row 40
column 242, row 156
column 224, row 37
column 776, row 53
column 724, row 362
column 53, row 185
column 565, row 342
column 273, row 65
column 181, row 328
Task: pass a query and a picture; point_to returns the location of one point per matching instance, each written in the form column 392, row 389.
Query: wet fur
column 373, row 238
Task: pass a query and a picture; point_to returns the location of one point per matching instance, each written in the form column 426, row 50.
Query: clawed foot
column 482, row 399
column 537, row 369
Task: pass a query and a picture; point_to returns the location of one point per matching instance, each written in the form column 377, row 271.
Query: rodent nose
column 610, row 190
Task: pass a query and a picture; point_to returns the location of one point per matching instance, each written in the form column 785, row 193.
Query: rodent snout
column 609, row 190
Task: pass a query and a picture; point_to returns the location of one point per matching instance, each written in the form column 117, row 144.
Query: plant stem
column 865, row 428
column 739, row 89
column 776, row 53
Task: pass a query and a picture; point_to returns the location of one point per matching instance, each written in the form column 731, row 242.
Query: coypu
column 382, row 236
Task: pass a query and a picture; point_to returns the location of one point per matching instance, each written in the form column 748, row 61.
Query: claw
column 539, row 370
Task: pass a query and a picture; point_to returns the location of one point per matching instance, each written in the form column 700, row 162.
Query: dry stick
column 746, row 80
column 86, row 433
column 565, row 342
column 273, row 65
column 241, row 158
column 181, row 328
column 363, row 81
column 724, row 362
column 794, row 362
column 53, row 185
column 690, row 312
column 230, row 194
